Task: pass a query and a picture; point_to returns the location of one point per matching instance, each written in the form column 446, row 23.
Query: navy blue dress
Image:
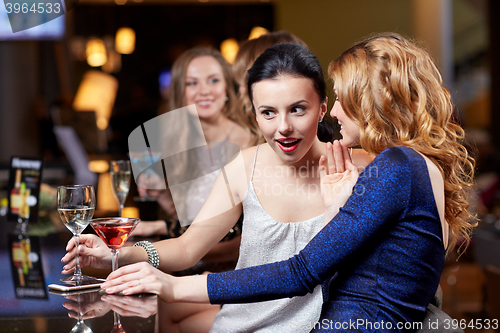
column 379, row 259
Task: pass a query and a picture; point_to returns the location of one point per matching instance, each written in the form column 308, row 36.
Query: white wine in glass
column 76, row 205
column 120, row 180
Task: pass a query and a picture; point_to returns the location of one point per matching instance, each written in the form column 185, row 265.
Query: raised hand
column 337, row 177
column 93, row 252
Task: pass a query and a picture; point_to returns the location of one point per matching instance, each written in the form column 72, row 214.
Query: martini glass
column 114, row 231
column 76, row 204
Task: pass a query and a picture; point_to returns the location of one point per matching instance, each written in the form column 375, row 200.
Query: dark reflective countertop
column 27, row 305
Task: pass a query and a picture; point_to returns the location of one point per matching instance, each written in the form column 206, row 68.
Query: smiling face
column 288, row 110
column 349, row 129
column 205, row 86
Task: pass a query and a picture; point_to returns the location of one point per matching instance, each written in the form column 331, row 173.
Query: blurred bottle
column 15, row 194
column 24, row 210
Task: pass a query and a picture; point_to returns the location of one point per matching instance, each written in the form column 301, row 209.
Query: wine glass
column 114, row 231
column 76, row 205
column 120, row 180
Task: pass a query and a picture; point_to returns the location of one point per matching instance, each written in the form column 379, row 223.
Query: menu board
column 26, row 265
column 24, row 189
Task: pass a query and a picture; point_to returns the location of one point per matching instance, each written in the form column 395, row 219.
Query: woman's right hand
column 338, row 176
column 93, row 252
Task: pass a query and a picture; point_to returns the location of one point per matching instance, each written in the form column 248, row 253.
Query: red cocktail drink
column 114, row 231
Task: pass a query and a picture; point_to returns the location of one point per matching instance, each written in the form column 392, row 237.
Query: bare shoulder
column 238, row 171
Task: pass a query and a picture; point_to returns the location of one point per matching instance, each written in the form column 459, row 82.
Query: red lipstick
column 288, row 144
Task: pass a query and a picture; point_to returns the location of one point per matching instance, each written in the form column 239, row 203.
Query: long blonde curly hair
column 392, row 89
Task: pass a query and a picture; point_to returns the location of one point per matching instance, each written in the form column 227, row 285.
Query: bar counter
column 27, row 305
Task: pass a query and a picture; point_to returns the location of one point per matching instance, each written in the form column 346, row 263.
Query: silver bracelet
column 153, row 257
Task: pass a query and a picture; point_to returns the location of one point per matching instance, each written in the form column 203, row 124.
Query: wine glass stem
column 114, row 259
column 78, row 271
column 120, row 210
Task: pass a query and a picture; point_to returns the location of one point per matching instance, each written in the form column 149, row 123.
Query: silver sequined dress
column 265, row 240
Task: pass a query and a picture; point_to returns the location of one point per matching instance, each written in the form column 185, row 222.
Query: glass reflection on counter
column 88, row 304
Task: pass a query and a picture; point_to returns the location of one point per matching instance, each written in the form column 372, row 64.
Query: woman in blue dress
column 382, row 251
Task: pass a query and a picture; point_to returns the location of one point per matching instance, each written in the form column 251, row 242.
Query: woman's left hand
column 338, row 176
column 136, row 279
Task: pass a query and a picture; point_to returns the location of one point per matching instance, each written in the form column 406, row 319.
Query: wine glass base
column 74, row 280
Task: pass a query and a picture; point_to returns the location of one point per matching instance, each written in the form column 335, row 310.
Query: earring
column 227, row 98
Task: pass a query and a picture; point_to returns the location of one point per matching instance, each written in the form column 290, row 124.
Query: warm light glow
column 125, row 41
column 229, row 48
column 132, row 212
column 99, row 166
column 97, row 92
column 257, row 32
column 120, row 2
column 105, row 197
column 114, row 63
column 96, row 52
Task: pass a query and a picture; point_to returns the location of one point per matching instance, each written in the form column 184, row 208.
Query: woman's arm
column 386, row 180
column 143, row 278
column 360, row 221
column 217, row 216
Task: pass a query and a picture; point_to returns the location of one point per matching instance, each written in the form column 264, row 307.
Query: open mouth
column 288, row 143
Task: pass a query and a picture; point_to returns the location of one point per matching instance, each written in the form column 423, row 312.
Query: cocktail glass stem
column 114, row 259
column 117, row 325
